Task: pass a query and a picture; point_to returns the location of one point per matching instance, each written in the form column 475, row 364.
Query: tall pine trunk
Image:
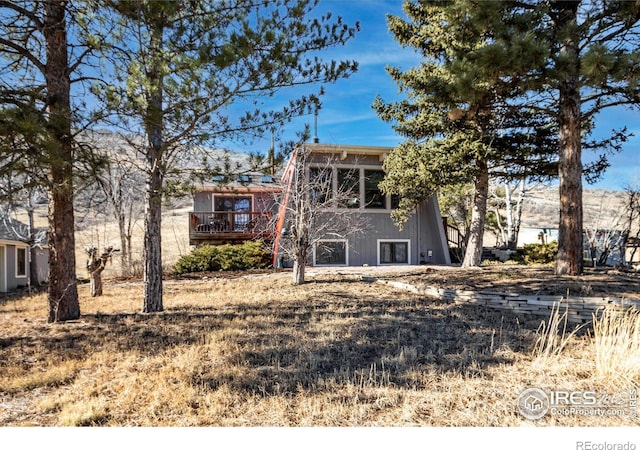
column 569, row 260
column 33, row 251
column 63, row 294
column 152, row 275
column 473, row 253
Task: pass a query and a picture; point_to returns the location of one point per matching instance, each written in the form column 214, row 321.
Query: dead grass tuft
column 617, row 344
column 553, row 336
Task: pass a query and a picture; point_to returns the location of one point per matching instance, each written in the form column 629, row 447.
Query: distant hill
column 602, row 208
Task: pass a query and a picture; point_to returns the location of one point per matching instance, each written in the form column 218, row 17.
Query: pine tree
column 461, row 118
column 565, row 60
column 190, row 72
column 39, row 62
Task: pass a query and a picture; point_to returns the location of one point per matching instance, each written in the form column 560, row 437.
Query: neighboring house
column 15, row 257
column 601, row 246
column 245, row 208
column 632, row 251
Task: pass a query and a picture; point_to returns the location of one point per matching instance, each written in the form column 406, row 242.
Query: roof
column 344, row 150
column 12, row 230
column 252, row 182
column 240, row 172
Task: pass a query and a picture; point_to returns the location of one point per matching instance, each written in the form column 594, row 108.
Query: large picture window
column 235, row 220
column 373, row 196
column 330, row 253
column 349, row 188
column 393, row 252
column 320, row 185
column 21, row 262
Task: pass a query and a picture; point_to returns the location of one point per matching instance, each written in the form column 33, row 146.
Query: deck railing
column 453, row 234
column 224, row 224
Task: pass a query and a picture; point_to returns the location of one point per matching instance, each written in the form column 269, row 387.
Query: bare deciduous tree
column 506, row 201
column 632, row 223
column 115, row 190
column 95, row 265
column 605, row 234
column 318, row 207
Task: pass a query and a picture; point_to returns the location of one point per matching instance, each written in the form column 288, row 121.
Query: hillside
column 602, row 208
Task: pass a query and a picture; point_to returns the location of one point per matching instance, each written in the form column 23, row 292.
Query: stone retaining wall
column 579, row 309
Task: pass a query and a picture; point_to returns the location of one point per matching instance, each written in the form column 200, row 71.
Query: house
column 422, row 239
column 250, row 206
column 15, row 257
column 233, row 209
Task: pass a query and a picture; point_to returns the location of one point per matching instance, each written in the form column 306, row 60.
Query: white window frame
column 406, row 241
column 346, row 253
column 26, row 262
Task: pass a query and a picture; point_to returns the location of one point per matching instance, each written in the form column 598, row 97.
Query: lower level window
column 394, row 252
column 330, row 253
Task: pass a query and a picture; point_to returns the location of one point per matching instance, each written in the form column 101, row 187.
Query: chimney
column 316, row 139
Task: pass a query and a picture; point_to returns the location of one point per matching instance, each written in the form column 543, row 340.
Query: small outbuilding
column 17, row 258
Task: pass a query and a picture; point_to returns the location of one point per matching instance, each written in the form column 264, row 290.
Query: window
column 393, row 252
column 330, row 253
column 320, row 184
column 244, row 178
column 238, row 204
column 395, row 201
column 21, row 262
column 373, row 196
column 267, row 179
column 349, row 187
column 239, row 209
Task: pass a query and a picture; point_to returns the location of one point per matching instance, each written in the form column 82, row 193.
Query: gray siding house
column 250, row 208
column 15, row 258
column 422, row 239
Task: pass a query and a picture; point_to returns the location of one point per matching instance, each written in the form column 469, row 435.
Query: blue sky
column 347, row 118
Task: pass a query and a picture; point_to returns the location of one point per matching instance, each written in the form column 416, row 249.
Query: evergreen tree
column 40, row 59
column 566, row 60
column 190, row 72
column 461, row 118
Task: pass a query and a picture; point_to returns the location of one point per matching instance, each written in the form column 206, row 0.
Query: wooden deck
column 222, row 227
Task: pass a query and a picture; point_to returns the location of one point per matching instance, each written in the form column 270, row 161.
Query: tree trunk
column 96, row 283
column 298, row 272
column 473, row 253
column 125, row 266
column 513, row 244
column 33, row 253
column 63, row 294
column 152, row 254
column 569, row 260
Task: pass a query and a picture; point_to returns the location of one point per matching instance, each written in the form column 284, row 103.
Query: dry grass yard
column 256, row 351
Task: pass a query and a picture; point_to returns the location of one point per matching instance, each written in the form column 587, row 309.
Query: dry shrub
column 617, row 343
